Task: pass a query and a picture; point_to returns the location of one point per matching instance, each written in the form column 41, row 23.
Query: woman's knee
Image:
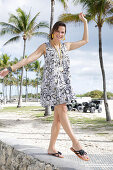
column 56, row 116
column 62, row 108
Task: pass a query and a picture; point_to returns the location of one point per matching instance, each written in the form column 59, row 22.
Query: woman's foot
column 77, row 149
column 81, row 154
column 55, row 153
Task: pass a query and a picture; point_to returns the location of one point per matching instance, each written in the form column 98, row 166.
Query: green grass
column 48, row 118
column 92, row 124
column 102, row 134
column 40, row 115
column 84, row 122
column 95, row 121
column 23, row 108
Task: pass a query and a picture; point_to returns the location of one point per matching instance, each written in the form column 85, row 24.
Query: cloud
column 86, row 73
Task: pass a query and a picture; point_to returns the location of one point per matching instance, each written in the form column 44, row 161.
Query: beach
column 26, row 128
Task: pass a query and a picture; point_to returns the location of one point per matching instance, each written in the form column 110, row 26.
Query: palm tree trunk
column 52, row 14
column 26, row 88
column 17, row 85
column 3, row 94
column 6, row 93
column 48, row 108
column 10, row 93
column 37, row 89
column 20, row 95
column 47, row 111
column 108, row 118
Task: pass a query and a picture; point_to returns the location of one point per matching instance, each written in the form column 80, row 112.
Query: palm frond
column 12, row 40
column 110, row 11
column 28, row 17
column 41, row 25
column 23, row 18
column 6, row 31
column 69, row 18
column 74, row 17
column 10, row 28
column 31, row 24
column 64, row 3
column 109, row 20
column 15, row 20
column 41, row 34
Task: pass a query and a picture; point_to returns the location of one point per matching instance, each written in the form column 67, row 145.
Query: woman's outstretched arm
column 74, row 45
column 34, row 56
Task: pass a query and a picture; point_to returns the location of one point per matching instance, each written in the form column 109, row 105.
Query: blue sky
column 85, row 67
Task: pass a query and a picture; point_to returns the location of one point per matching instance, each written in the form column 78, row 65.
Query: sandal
column 57, row 154
column 81, row 153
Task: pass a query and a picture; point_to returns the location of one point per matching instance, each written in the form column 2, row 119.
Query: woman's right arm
column 34, row 56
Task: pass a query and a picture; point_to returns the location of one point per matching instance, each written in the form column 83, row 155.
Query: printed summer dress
column 56, row 86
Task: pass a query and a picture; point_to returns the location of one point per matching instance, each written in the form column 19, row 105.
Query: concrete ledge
column 12, row 159
column 26, row 157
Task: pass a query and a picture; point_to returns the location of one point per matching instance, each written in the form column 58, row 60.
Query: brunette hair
column 56, row 26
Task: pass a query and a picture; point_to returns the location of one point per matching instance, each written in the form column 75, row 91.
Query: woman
column 56, row 88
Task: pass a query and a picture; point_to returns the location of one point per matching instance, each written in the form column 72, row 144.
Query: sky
column 85, row 67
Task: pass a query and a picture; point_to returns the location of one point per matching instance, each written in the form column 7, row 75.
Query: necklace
column 60, row 56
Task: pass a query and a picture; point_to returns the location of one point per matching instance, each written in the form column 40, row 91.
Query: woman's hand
column 4, row 73
column 82, row 18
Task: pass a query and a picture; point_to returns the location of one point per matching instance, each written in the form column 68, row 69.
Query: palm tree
column 36, row 66
column 10, row 81
column 4, row 62
column 22, row 26
column 16, row 60
column 100, row 11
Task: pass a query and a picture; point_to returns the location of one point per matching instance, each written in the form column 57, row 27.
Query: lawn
column 81, row 121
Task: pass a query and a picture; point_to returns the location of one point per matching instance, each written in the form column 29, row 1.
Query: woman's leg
column 62, row 112
column 54, row 132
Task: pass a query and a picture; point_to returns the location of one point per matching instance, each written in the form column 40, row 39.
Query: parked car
column 75, row 106
column 72, row 106
column 92, row 106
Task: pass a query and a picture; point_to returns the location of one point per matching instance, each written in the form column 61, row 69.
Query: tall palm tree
column 22, row 26
column 100, row 11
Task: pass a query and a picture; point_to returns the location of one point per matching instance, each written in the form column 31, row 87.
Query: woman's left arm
column 74, row 45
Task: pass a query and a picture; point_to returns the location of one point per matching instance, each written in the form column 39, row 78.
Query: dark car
column 75, row 106
column 72, row 106
column 92, row 106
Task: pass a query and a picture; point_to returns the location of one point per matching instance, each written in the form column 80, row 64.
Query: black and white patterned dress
column 56, row 86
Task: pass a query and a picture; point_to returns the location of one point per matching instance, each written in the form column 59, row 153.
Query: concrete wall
column 11, row 159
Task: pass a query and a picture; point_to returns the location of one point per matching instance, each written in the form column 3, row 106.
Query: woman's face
column 60, row 33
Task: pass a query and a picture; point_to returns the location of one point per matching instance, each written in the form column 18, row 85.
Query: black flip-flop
column 57, row 154
column 80, row 154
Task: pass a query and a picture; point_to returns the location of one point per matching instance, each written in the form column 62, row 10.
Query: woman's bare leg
column 62, row 112
column 54, row 132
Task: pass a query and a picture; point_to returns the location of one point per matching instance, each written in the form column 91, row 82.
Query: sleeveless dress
column 56, row 86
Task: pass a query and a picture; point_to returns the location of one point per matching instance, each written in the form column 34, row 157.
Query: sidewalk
column 31, row 135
